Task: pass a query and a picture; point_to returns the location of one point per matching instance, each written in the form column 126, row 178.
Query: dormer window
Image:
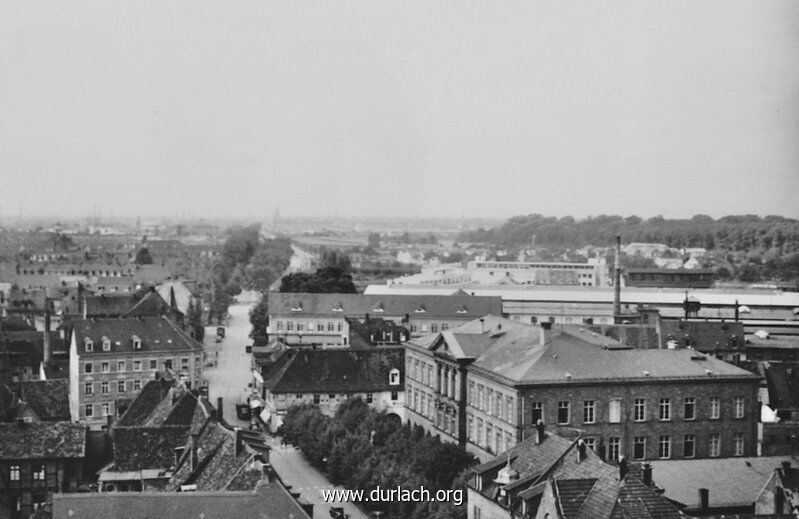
column 463, row 310
column 394, row 377
column 106, row 344
column 420, row 310
column 338, row 308
column 88, row 344
column 297, row 308
column 136, row 342
column 379, row 308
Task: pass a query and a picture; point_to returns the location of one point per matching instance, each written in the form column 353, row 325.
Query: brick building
column 643, row 404
column 112, row 359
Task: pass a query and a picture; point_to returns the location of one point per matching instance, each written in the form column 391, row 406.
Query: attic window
column 394, row 377
column 420, row 310
column 462, row 310
column 338, row 308
column 136, row 342
column 106, row 344
column 297, row 308
column 378, row 308
column 89, row 344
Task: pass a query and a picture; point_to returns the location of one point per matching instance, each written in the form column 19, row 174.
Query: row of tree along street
column 361, row 449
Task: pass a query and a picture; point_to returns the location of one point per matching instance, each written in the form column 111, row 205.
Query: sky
column 405, row 108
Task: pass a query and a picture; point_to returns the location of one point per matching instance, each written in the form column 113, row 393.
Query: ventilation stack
column 617, row 280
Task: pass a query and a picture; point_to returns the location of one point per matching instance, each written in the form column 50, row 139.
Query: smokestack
column 47, row 354
column 617, row 280
column 704, row 499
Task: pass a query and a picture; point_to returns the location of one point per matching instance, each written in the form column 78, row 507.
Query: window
column 715, row 407
column 13, row 473
column 738, row 444
column 316, row 399
column 614, row 411
column 394, row 377
column 509, row 410
column 290, row 326
column 300, row 326
column 279, row 325
column 88, row 345
column 589, row 411
column 369, row 398
column 590, row 442
column 136, row 365
column 136, row 385
column 498, row 405
column 121, row 366
column 563, row 412
column 690, row 408
column 664, row 409
column 394, row 395
column 104, row 388
column 184, row 363
column 38, row 472
column 689, row 446
column 136, row 342
column 88, row 367
column 105, row 367
column 120, row 386
column 639, row 447
column 320, row 327
column 490, row 401
column 88, row 388
column 331, row 396
column 88, row 410
column 738, row 407
column 614, row 448
column 153, row 364
column 664, row 447
column 167, row 363
column 479, row 432
column 480, row 405
column 639, row 409
column 434, row 328
column 298, row 397
column 106, row 409
column 339, row 327
column 715, row 445
column 471, row 394
column 476, row 512
column 444, row 327
column 489, row 437
column 106, row 344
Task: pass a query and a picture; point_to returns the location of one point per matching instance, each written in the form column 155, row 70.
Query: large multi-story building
column 321, row 319
column 110, row 360
column 643, row 404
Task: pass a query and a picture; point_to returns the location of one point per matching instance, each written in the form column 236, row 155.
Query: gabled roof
column 358, row 305
column 151, row 305
column 48, row 399
column 336, row 371
column 155, row 333
column 470, row 339
column 42, row 440
column 108, row 305
column 782, row 379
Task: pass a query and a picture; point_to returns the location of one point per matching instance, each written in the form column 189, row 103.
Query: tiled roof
column 521, row 357
column 782, row 379
column 42, row 440
column 337, row 371
column 470, row 339
column 572, row 494
column 151, row 395
column 108, row 305
column 731, row 482
column 152, row 305
column 358, row 305
column 155, row 334
column 268, row 501
column 703, row 335
column 30, row 343
column 49, row 399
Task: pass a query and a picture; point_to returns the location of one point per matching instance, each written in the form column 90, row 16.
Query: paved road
column 229, row 379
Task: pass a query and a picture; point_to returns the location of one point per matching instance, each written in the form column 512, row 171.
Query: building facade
column 112, row 359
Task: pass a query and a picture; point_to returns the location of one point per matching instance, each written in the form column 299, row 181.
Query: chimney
column 647, row 474
column 219, row 414
column 482, row 325
column 617, row 280
column 581, row 450
column 622, row 468
column 736, row 310
column 786, row 466
column 704, row 499
column 239, row 442
column 193, row 458
column 47, row 354
column 539, row 432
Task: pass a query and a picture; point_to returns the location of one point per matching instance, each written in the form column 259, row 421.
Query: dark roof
column 152, row 394
column 152, row 305
column 358, row 305
column 109, row 305
column 49, row 399
column 155, row 333
column 572, row 494
column 336, row 371
column 270, row 500
column 42, row 440
column 708, row 336
column 782, row 379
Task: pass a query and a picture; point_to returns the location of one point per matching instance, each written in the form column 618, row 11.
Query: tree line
column 360, row 448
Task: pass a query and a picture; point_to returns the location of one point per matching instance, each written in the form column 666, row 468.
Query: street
column 229, row 380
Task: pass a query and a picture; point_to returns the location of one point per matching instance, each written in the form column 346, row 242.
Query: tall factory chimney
column 617, row 280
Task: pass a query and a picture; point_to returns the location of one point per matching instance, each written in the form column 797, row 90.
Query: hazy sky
column 378, row 108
